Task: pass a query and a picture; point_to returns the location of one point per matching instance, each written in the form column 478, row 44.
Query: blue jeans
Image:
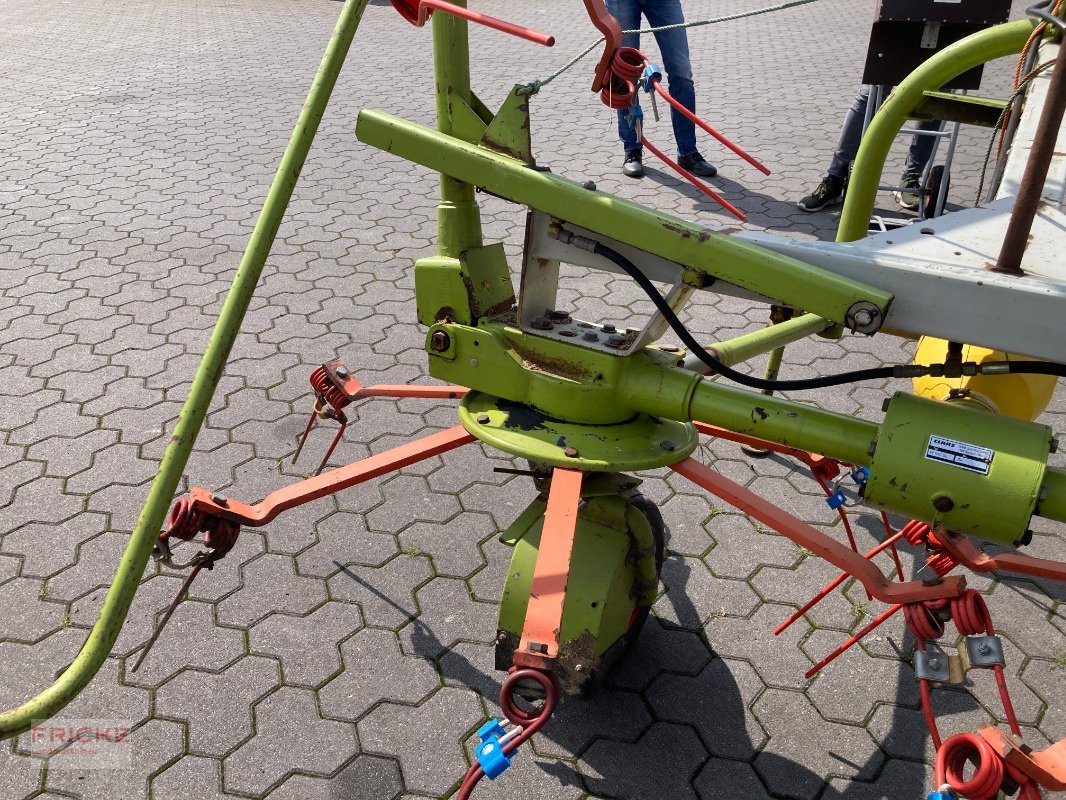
column 673, row 45
column 851, row 134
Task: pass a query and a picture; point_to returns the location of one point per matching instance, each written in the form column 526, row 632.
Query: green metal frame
column 644, row 383
column 903, row 102
column 711, row 256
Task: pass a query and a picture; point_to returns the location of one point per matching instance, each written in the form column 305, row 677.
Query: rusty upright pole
column 1032, row 184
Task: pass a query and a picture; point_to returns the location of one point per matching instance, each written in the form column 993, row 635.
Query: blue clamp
column 652, row 73
column 861, row 475
column 634, row 115
column 490, row 753
column 836, row 499
column 944, row 793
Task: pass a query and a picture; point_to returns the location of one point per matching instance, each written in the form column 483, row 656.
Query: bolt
column 943, row 503
column 927, row 231
column 984, row 648
column 541, row 324
column 473, row 362
column 342, row 372
column 609, row 328
column 934, row 663
column 571, row 452
column 669, row 348
column 615, row 341
column 591, row 337
column 219, row 500
column 537, row 647
column 863, row 318
column 667, row 445
column 559, row 316
column 590, row 185
column 483, row 419
column 439, row 342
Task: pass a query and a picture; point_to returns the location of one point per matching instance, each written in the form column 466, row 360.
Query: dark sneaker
column 829, row 192
column 909, row 193
column 632, row 166
column 697, row 165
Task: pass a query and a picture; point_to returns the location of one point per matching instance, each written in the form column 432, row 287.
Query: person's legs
column 673, row 45
column 627, row 12
column 850, row 136
column 831, row 190
column 921, row 148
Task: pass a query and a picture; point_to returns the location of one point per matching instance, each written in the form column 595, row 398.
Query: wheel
column 603, row 616
column 658, row 528
column 937, row 177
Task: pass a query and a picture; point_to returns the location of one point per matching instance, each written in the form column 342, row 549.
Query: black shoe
column 909, row 193
column 697, row 165
column 829, row 193
column 632, row 166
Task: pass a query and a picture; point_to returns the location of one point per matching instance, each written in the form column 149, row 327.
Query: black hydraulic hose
column 1036, row 368
column 690, row 342
column 875, row 373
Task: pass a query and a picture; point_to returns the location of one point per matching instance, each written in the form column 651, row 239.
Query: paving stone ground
column 344, row 651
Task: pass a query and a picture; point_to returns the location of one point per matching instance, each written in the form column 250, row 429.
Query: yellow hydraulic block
column 1019, row 396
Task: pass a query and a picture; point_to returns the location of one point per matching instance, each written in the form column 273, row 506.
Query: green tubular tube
column 773, row 365
column 770, row 338
column 793, row 424
column 1054, row 505
column 128, row 575
column 458, row 216
column 987, row 45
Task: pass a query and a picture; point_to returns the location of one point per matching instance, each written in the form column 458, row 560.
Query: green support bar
column 769, row 339
column 987, row 45
column 781, row 278
column 1053, row 506
column 804, row 427
column 458, row 217
column 128, row 575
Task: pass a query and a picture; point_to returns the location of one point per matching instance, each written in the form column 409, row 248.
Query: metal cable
column 535, row 86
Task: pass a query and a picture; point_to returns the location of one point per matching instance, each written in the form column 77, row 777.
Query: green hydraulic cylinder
column 135, row 558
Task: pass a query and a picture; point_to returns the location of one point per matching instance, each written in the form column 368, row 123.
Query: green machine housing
column 959, row 469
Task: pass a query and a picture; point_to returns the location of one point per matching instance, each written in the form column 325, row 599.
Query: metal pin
column 170, row 611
